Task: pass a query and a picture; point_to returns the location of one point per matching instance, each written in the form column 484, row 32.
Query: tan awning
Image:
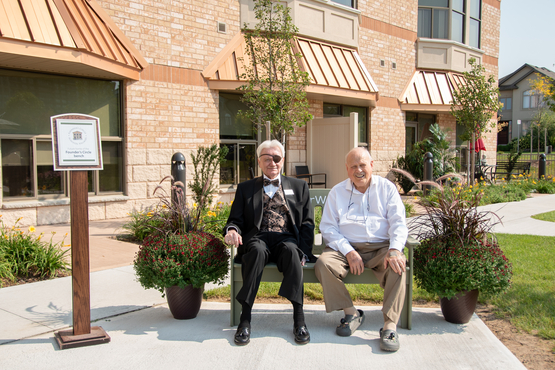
column 337, row 73
column 74, row 37
column 430, row 91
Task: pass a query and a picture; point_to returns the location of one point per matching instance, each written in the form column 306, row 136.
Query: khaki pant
column 332, row 267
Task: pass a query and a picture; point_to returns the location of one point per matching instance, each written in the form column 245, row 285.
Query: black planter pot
column 459, row 309
column 185, row 302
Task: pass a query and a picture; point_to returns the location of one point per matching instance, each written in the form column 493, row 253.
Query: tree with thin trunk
column 475, row 103
column 275, row 91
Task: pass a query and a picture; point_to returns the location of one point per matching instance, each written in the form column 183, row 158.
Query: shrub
column 26, row 254
column 444, row 266
column 457, row 251
column 194, row 258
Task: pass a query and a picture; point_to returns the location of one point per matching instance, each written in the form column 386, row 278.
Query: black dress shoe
column 242, row 336
column 302, row 336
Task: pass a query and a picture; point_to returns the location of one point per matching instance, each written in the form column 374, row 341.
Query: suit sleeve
column 236, row 217
column 307, row 223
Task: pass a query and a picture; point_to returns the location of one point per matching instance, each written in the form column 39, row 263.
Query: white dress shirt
column 271, row 189
column 350, row 216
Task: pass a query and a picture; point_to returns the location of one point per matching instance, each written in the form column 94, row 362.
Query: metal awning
column 337, row 73
column 430, row 91
column 72, row 37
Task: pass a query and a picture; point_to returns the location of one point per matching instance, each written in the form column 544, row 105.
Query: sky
column 527, row 35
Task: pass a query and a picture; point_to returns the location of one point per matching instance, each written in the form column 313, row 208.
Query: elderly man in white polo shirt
column 363, row 225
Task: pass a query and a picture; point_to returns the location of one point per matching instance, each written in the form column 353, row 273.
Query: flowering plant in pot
column 458, row 256
column 177, row 257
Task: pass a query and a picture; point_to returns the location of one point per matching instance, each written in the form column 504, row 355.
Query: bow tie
column 272, row 182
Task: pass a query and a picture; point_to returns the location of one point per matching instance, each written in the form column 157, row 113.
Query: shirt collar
column 278, row 177
column 350, row 186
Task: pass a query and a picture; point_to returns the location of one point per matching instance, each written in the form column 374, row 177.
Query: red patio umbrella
column 479, row 145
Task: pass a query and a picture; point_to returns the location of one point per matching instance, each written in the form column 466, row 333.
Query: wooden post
column 82, row 333
column 80, row 253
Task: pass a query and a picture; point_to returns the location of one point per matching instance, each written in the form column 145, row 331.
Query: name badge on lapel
column 288, row 191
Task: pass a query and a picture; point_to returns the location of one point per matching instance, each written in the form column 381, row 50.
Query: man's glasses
column 275, row 158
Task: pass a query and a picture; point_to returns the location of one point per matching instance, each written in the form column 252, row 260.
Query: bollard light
column 178, row 172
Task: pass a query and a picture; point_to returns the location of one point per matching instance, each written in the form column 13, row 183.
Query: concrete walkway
column 144, row 334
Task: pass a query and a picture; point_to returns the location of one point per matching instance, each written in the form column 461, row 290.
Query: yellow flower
column 6, row 236
column 164, row 206
column 149, row 214
column 211, row 214
column 194, row 205
column 520, row 175
column 415, row 197
column 65, row 234
column 39, row 237
column 68, row 245
column 231, row 203
column 19, row 219
column 31, row 229
column 533, row 182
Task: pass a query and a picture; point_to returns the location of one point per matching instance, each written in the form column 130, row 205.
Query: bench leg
column 406, row 314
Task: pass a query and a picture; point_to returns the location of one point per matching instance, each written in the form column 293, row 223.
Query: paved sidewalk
column 145, row 335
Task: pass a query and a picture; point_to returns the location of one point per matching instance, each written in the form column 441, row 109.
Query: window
column 474, row 25
column 338, row 110
column 507, row 103
column 449, row 20
column 27, row 101
column 417, row 128
column 349, row 3
column 240, row 136
column 530, row 99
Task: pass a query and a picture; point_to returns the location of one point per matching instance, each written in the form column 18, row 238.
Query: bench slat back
column 318, row 198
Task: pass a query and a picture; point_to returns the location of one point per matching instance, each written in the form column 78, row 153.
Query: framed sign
column 76, row 142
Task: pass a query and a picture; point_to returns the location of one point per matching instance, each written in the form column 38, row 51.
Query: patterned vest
column 274, row 214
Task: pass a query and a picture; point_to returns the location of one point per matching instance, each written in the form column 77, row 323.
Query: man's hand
column 233, row 237
column 396, row 260
column 355, row 262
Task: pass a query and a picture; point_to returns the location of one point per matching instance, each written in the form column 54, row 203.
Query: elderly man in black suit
column 271, row 221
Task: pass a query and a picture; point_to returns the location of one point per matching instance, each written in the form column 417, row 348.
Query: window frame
column 534, row 99
column 258, row 137
column 467, row 19
column 65, row 174
column 33, row 138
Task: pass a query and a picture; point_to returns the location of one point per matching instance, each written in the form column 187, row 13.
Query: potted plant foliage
column 458, row 256
column 177, row 257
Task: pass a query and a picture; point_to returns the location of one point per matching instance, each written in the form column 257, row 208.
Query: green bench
column 271, row 273
column 520, row 168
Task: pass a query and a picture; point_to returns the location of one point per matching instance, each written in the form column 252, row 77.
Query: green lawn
column 529, row 304
column 547, row 216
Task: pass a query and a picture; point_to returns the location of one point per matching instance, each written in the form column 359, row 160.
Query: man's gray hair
column 358, row 149
column 270, row 144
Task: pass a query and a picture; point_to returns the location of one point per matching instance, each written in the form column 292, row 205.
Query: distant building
column 519, row 101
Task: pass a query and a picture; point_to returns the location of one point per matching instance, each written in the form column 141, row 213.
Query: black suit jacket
column 247, row 207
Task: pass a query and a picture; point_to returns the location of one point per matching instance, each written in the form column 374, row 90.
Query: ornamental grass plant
column 174, row 250
column 25, row 254
column 458, row 252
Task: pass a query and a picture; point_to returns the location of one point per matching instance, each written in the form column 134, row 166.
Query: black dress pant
column 280, row 248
